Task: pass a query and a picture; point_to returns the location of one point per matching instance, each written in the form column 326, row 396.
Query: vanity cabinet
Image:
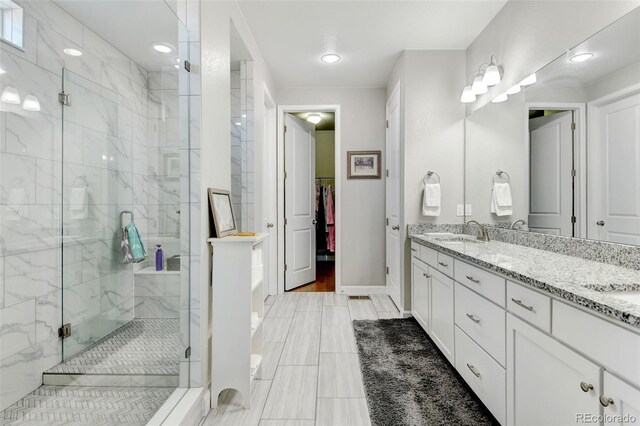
column 441, row 324
column 532, row 358
column 420, row 302
column 547, row 383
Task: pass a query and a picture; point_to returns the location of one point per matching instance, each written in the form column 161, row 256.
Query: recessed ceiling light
column 72, row 52
column 581, row 57
column 314, row 118
column 500, row 98
column 528, row 81
column 162, row 47
column 330, row 58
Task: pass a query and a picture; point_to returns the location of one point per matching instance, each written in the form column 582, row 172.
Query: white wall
column 362, row 200
column 214, row 162
column 432, row 134
column 526, row 35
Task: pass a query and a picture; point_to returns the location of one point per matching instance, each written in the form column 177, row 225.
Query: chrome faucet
column 482, row 232
column 522, row 223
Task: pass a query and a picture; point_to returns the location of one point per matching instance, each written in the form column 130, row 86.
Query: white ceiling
column 369, row 35
column 130, row 26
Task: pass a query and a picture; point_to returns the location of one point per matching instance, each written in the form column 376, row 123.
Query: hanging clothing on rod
column 325, row 215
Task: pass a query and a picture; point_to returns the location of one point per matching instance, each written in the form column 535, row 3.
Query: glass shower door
column 97, row 185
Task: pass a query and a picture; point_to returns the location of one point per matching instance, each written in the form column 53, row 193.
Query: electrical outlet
column 460, row 210
column 467, row 210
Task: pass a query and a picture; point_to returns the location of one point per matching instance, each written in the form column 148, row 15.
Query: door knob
column 600, row 223
column 395, row 227
column 314, row 221
column 269, row 225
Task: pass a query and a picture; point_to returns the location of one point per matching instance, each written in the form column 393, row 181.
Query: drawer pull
column 444, row 265
column 586, row 387
column 473, row 370
column 424, row 274
column 473, row 280
column 473, row 318
column 519, row 303
column 605, row 401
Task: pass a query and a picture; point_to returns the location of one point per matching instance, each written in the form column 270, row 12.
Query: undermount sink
column 627, row 292
column 627, row 296
column 458, row 239
column 439, row 234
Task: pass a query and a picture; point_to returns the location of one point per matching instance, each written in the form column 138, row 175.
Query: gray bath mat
column 409, row 382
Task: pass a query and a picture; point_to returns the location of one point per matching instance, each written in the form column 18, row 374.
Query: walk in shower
column 94, row 135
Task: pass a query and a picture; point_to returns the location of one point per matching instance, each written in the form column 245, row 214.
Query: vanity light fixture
column 478, row 87
column 162, row 47
column 492, row 73
column 528, row 81
column 314, row 118
column 467, row 95
column 500, row 98
column 513, row 90
column 330, row 58
column 72, row 52
column 10, row 95
column 581, row 57
column 31, row 103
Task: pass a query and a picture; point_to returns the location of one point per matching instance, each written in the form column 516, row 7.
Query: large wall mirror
column 563, row 153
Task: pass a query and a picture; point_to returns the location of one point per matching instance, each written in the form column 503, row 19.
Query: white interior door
column 551, row 204
column 615, row 216
column 393, row 234
column 299, row 202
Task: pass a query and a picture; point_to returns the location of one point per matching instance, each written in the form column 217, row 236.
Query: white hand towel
column 431, row 200
column 78, row 206
column 501, row 204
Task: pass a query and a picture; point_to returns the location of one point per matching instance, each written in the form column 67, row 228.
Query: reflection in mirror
column 570, row 144
column 11, row 23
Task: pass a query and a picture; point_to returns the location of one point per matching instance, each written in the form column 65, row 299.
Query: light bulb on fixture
column 467, row 95
column 513, row 90
column 31, row 103
column 581, row 57
column 330, row 58
column 10, row 95
column 500, row 98
column 314, row 118
column 492, row 74
column 528, row 81
column 478, row 87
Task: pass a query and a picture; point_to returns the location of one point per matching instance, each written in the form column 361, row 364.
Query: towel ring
column 122, row 213
column 82, row 179
column 428, row 175
column 499, row 174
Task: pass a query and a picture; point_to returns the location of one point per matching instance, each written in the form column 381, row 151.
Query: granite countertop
column 611, row 290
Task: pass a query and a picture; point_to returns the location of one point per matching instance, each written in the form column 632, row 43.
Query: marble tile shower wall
column 242, row 145
column 105, row 133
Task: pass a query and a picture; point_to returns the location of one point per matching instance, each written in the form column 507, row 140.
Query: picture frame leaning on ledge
column 224, row 220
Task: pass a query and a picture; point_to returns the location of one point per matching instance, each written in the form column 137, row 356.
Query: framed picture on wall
column 224, row 221
column 364, row 164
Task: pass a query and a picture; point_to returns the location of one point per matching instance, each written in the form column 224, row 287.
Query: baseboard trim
column 190, row 410
column 352, row 290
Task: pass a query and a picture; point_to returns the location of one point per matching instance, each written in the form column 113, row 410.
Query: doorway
column 309, row 249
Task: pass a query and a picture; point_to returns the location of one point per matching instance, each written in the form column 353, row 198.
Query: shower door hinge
column 573, row 126
column 285, row 222
column 187, row 352
column 64, row 98
column 187, row 66
column 573, row 219
column 65, row 331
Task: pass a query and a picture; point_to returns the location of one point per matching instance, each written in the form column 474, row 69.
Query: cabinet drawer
column 445, row 264
column 429, row 256
column 485, row 376
column 614, row 347
column 485, row 283
column 483, row 321
column 415, row 249
column 529, row 305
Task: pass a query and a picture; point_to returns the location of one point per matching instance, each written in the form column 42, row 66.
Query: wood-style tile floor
column 310, row 370
column 325, row 279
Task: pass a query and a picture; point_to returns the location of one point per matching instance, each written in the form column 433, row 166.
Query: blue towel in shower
column 136, row 246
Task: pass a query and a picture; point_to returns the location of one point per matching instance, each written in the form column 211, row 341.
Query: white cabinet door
column 420, row 302
column 441, row 321
column 547, row 383
column 621, row 402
